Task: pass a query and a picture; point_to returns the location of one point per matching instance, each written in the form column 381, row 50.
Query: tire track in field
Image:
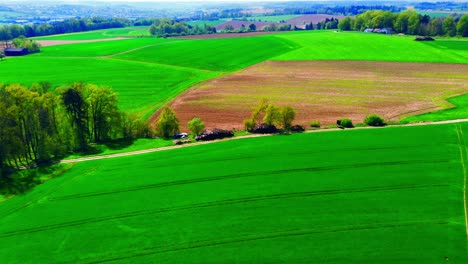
column 264, row 236
column 217, row 203
column 244, row 175
column 463, row 157
column 43, row 194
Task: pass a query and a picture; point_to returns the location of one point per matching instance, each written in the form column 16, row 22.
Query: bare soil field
column 314, row 19
column 46, row 43
column 324, row 91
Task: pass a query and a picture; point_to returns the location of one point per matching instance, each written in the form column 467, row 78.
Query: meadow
column 141, row 31
column 272, row 18
column 458, row 110
column 202, row 23
column 395, row 197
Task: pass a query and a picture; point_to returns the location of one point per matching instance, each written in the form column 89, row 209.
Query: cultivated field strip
column 218, row 203
column 272, row 235
column 244, row 175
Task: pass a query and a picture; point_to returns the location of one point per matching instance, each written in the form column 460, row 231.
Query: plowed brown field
column 325, row 91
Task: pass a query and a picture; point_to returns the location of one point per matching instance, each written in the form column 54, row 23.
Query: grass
column 141, row 87
column 330, row 45
column 101, row 34
column 458, row 111
column 104, row 48
column 214, row 54
column 395, row 197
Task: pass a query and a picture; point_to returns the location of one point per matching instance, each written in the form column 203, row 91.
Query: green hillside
column 392, row 195
column 101, row 34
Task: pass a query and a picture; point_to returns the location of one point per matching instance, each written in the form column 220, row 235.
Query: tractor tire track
column 245, row 175
column 265, row 236
column 463, row 157
column 215, row 204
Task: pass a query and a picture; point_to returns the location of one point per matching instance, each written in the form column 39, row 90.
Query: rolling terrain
column 320, row 197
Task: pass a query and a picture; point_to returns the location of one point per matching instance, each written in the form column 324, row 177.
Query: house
column 16, row 52
column 368, row 30
column 386, row 31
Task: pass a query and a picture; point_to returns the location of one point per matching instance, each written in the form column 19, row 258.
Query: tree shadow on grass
column 119, row 144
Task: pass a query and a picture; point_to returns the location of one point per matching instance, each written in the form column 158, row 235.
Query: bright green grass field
column 392, row 195
column 331, row 45
column 226, row 54
column 142, row 87
column 459, row 111
column 104, row 48
column 101, row 34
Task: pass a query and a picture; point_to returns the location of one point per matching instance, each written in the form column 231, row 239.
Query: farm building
column 16, row 52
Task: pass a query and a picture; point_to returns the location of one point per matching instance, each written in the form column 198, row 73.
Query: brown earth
column 324, row 91
column 46, row 43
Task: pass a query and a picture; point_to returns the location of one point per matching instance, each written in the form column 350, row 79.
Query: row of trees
column 31, row 45
column 8, row 32
column 270, row 115
column 168, row 27
column 408, row 22
column 38, row 125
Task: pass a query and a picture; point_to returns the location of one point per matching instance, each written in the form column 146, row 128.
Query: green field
column 392, row 195
column 330, row 45
column 458, row 111
column 226, row 54
column 101, row 34
column 142, row 87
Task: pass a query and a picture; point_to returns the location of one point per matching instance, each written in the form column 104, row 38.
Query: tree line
column 39, row 125
column 408, row 22
column 8, row 32
column 168, row 27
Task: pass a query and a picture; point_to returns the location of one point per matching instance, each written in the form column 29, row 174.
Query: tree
column 167, row 124
column 2, row 55
column 77, row 109
column 448, row 25
column 252, row 27
column 272, row 115
column 345, row 24
column 287, row 115
column 462, row 26
column 196, row 125
column 228, row 27
column 104, row 114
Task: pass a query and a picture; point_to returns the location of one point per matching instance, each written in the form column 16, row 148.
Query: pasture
column 325, row 91
column 457, row 110
column 141, row 31
column 395, row 197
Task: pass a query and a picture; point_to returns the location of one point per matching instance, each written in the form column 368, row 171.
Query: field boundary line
column 462, row 148
column 138, row 152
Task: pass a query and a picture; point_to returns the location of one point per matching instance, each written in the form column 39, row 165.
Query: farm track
column 463, row 157
column 264, row 236
column 139, row 152
column 250, row 174
column 218, row 203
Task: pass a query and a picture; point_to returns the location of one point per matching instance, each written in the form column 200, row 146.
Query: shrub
column 264, row 129
column 214, row 134
column 297, row 128
column 374, row 120
column 346, row 122
column 249, row 124
column 315, row 124
column 196, row 125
